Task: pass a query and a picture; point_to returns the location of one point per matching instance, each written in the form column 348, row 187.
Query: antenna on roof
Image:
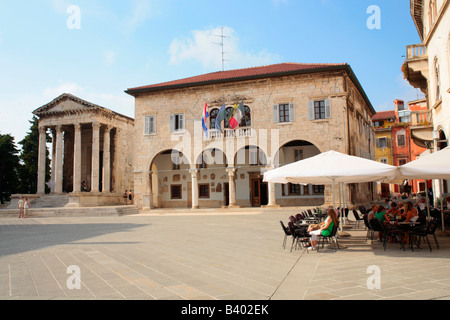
column 221, row 43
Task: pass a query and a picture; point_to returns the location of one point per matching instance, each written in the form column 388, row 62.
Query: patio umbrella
column 435, row 165
column 330, row 168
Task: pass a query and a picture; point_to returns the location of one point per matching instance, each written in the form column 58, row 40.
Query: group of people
column 406, row 212
column 128, row 197
column 23, row 205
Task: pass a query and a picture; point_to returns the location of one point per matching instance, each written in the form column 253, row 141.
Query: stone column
column 41, row 160
column 77, row 159
column 194, row 174
column 232, row 186
column 59, row 160
column 272, row 196
column 95, row 174
column 53, row 163
column 107, row 160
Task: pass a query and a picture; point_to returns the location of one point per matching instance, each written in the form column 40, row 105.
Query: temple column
column 41, row 160
column 77, row 159
column 59, row 160
column 232, row 186
column 107, row 160
column 194, row 174
column 95, row 174
column 53, row 163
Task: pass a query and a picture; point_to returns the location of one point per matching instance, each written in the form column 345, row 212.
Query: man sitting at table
column 393, row 213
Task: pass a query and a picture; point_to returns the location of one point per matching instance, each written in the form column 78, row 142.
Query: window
column 175, row 192
column 246, row 120
column 294, row 189
column 149, row 125
column 384, row 160
column 320, row 109
column 176, row 122
column 401, row 140
column 213, row 116
column 382, row 143
column 402, row 162
column 284, row 113
column 203, row 190
column 319, row 189
column 298, row 155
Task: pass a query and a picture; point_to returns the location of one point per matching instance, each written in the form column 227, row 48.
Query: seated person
column 380, row 214
column 325, row 228
column 410, row 214
column 393, row 213
column 421, row 205
column 372, row 212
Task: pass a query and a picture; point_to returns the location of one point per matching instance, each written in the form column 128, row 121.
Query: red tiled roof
column 239, row 74
column 383, row 115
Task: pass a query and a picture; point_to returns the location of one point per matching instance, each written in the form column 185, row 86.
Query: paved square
column 204, row 255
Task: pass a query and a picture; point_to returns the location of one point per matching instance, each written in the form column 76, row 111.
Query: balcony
column 422, row 128
column 415, row 68
column 230, row 133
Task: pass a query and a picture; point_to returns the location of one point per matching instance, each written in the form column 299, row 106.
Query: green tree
column 9, row 166
column 29, row 157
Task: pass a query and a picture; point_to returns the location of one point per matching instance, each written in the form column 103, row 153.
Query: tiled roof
column 383, row 115
column 239, row 74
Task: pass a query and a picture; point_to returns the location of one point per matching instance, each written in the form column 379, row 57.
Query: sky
column 96, row 49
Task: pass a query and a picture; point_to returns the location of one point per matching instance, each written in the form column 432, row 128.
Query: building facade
column 290, row 112
column 427, row 67
column 91, row 151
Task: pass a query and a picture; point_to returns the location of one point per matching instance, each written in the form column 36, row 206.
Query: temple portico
column 90, row 151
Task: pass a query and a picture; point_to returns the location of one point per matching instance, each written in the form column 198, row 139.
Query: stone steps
column 73, row 212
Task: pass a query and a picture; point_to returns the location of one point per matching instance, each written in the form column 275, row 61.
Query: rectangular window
column 319, row 189
column 175, row 192
column 382, row 143
column 319, row 110
column 402, row 162
column 203, row 190
column 149, row 126
column 294, row 189
column 284, row 112
column 401, row 140
column 177, row 122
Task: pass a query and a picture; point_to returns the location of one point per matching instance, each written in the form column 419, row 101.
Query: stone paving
column 205, row 255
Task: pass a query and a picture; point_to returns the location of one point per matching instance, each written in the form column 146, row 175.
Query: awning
column 423, row 136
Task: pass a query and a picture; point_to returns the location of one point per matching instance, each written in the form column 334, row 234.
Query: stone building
column 92, row 146
column 292, row 111
column 427, row 67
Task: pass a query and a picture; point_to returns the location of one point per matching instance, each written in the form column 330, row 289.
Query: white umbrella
column 432, row 166
column 435, row 165
column 330, row 168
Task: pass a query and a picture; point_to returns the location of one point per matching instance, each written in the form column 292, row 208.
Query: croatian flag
column 205, row 115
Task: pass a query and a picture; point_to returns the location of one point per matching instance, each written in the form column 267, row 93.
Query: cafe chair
column 357, row 217
column 287, row 233
column 423, row 233
column 332, row 236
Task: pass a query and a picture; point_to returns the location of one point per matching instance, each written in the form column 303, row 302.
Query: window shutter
column 172, row 123
column 327, row 108
column 146, row 125
column 181, row 121
column 311, row 110
column 291, row 112
column 276, row 114
column 152, row 125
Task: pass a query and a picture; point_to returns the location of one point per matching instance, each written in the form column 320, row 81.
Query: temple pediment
column 70, row 104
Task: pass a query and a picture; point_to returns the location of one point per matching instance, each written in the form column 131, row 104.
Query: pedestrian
column 130, row 197
column 125, row 197
column 26, row 206
column 20, row 205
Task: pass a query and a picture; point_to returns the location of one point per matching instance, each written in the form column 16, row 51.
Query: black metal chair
column 386, row 232
column 287, row 233
column 423, row 233
column 332, row 236
column 357, row 218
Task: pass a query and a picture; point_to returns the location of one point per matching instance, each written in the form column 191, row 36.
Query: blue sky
column 122, row 44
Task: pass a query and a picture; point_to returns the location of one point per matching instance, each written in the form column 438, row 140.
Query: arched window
column 213, row 115
column 227, row 117
column 246, row 120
